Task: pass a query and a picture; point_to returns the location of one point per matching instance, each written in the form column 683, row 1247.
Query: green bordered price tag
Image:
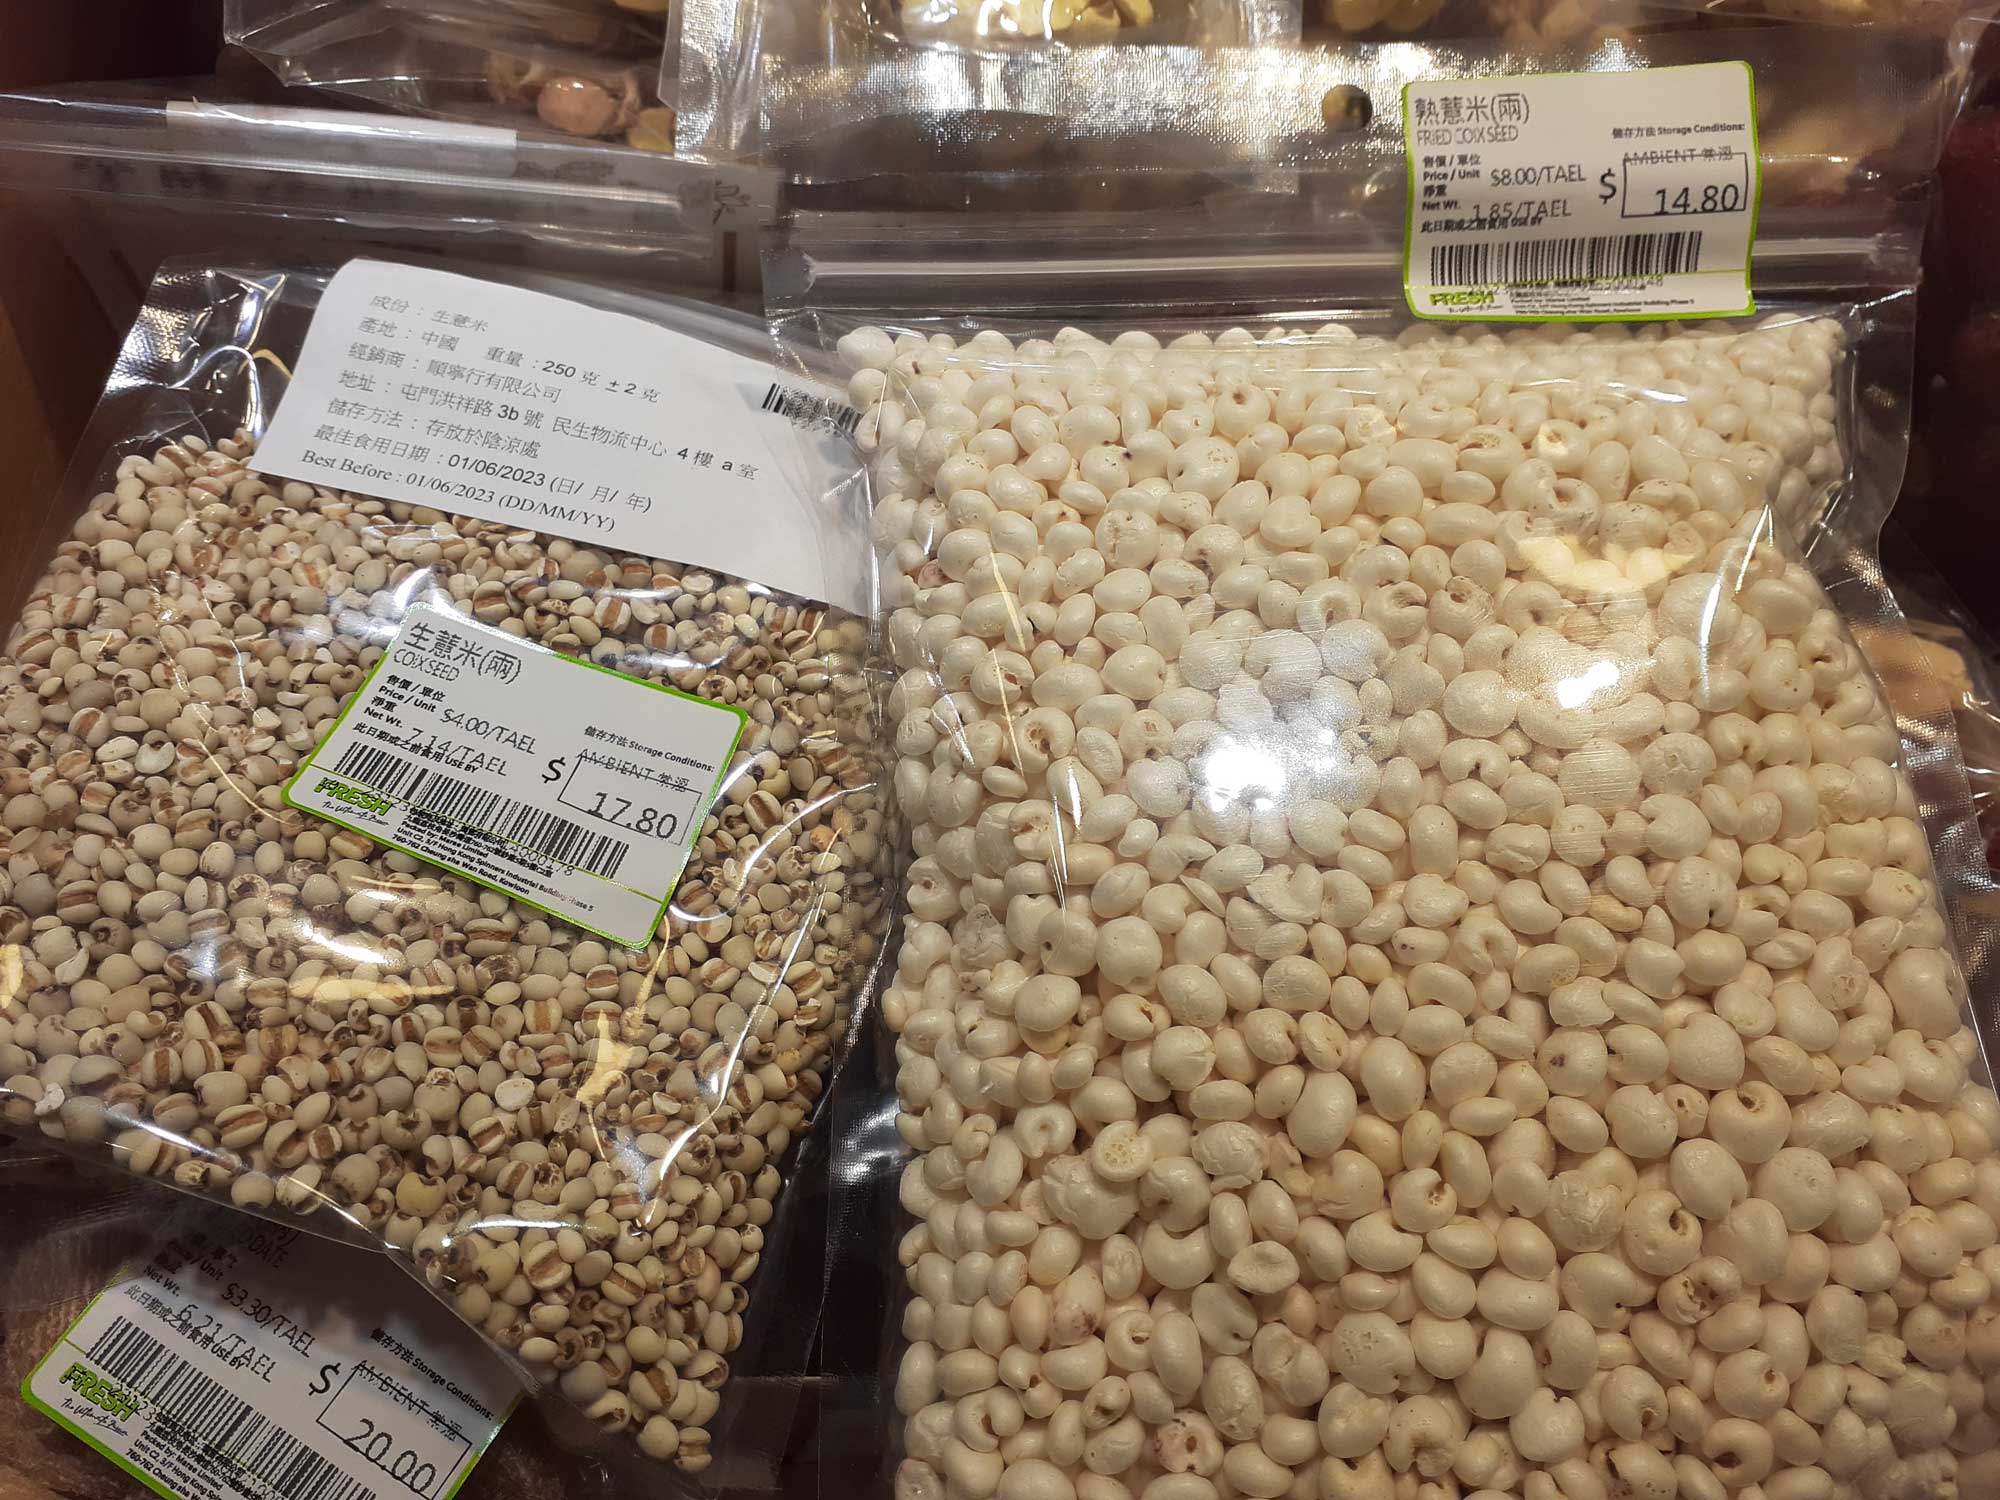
column 561, row 783
column 1582, row 196
column 262, row 1363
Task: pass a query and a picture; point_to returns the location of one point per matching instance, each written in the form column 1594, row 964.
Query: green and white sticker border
column 1487, row 315
column 310, row 764
column 407, row 1299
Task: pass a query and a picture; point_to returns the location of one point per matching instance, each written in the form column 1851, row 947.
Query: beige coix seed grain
column 338, row 1029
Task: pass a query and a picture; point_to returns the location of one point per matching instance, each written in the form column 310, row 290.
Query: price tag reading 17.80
column 563, row 784
column 1582, row 195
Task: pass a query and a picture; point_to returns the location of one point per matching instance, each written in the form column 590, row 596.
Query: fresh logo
column 94, row 1388
column 1484, row 297
column 353, row 796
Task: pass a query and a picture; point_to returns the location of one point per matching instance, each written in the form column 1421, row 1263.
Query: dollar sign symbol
column 555, row 770
column 1610, row 188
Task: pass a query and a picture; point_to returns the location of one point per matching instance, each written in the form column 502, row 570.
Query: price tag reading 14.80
column 1582, row 195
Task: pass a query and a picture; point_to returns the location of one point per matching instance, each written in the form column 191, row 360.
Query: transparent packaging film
column 1939, row 676
column 1426, row 960
column 751, row 77
column 127, row 179
column 1555, row 22
column 1103, row 126
column 725, row 54
column 578, row 1144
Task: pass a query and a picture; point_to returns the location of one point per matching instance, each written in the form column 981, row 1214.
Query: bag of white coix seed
column 440, row 812
column 1428, row 968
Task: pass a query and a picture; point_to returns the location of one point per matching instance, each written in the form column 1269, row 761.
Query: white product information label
column 264, row 1363
column 563, row 784
column 1582, row 195
column 521, row 407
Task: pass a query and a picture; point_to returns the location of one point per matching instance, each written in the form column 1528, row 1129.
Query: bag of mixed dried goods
column 585, row 68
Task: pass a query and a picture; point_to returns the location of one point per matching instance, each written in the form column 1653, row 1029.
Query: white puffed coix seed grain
column 1418, row 914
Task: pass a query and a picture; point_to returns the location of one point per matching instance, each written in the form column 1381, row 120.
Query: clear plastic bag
column 578, row 1145
column 1103, row 130
column 1942, row 672
column 1526, row 23
column 1931, row 16
column 1518, row 23
column 725, row 53
column 834, row 105
column 129, row 178
column 576, row 67
column 1409, row 942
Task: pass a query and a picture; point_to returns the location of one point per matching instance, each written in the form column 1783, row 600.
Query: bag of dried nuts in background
column 1424, row 971
column 493, row 896
column 586, row 68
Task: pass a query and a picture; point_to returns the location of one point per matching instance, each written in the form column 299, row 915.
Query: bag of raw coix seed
column 438, row 802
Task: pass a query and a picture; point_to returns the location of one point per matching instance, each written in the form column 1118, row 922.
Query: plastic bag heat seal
column 1425, row 962
column 125, row 181
column 579, row 1145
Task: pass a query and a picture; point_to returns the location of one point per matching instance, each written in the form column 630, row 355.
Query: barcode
column 232, row 1428
column 432, row 791
column 1512, row 262
column 804, row 409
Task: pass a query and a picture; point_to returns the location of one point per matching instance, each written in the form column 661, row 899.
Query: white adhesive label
column 518, row 406
column 268, row 1364
column 1582, row 195
column 561, row 783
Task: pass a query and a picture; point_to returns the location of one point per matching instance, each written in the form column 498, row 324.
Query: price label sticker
column 559, row 782
column 255, row 1362
column 1584, row 196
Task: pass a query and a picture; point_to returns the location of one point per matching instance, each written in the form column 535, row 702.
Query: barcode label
column 432, row 791
column 1572, row 197
column 238, row 1361
column 231, row 1429
column 804, row 409
column 1594, row 257
column 558, row 781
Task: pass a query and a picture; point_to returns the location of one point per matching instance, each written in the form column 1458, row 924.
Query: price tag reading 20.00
column 241, row 1361
column 561, row 783
column 1582, row 195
